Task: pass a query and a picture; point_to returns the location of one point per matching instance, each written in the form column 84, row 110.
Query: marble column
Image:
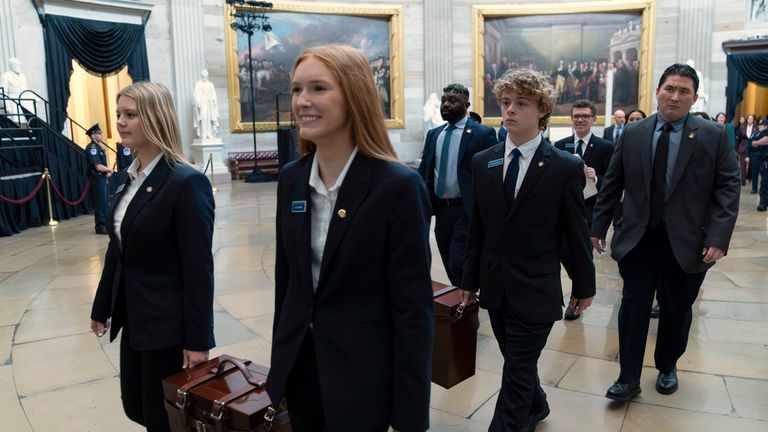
column 188, row 46
column 694, row 37
column 7, row 38
column 438, row 46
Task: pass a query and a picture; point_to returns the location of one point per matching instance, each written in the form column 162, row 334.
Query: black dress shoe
column 537, row 414
column 101, row 230
column 666, row 383
column 621, row 392
column 761, row 208
column 655, row 310
column 572, row 313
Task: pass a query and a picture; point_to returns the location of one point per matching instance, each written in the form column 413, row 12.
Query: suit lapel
column 687, row 143
column 146, row 192
column 645, row 148
column 299, row 222
column 495, row 175
column 466, row 135
column 539, row 163
column 111, row 213
column 352, row 192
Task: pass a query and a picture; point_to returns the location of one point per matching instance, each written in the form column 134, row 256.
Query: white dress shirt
column 526, row 154
column 323, row 201
column 452, row 176
column 137, row 178
column 584, row 146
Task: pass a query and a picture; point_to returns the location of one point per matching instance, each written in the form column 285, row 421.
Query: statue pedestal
column 202, row 148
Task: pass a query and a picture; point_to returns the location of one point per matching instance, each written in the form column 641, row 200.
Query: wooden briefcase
column 455, row 348
column 224, row 394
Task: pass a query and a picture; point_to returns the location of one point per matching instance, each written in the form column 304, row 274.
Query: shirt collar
column 526, row 150
column 316, row 183
column 586, row 138
column 133, row 169
column 459, row 124
column 676, row 125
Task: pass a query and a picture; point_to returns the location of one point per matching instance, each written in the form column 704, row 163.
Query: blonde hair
column 350, row 68
column 528, row 82
column 157, row 115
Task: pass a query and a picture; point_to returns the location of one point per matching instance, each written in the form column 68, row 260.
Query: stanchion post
column 47, row 175
column 213, row 177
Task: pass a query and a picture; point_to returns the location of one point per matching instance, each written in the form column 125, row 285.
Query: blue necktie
column 580, row 149
column 510, row 179
column 442, row 170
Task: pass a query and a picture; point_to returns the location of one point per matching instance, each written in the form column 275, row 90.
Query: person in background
column 721, row 119
column 635, row 115
column 98, row 173
column 354, row 318
column 743, row 148
column 476, row 117
column 759, row 145
column 613, row 132
column 157, row 281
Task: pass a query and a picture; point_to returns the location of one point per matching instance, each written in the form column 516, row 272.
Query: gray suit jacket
column 702, row 200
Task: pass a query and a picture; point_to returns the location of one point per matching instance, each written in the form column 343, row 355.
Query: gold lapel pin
column 342, row 213
column 692, row 135
column 149, row 188
column 541, row 163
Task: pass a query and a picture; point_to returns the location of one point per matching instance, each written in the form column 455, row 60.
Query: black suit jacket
column 513, row 254
column 161, row 274
column 596, row 155
column 702, row 199
column 372, row 314
column 608, row 133
column 474, row 138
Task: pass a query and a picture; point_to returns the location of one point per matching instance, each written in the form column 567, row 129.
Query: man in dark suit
column 445, row 168
column 502, row 132
column 528, row 201
column 613, row 132
column 596, row 154
column 681, row 197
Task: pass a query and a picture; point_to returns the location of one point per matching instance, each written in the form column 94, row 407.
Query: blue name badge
column 495, row 163
column 569, row 145
column 298, row 207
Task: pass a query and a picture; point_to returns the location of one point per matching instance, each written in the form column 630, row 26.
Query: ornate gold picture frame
column 374, row 29
column 575, row 44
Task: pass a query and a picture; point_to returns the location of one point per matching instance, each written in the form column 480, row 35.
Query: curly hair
column 530, row 83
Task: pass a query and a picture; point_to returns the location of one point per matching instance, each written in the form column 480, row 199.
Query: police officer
column 98, row 172
column 124, row 157
column 759, row 150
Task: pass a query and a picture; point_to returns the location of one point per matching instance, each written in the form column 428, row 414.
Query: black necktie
column 510, row 179
column 659, row 179
column 580, row 149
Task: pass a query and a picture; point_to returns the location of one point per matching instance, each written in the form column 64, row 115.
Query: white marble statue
column 431, row 111
column 13, row 83
column 701, row 102
column 206, row 107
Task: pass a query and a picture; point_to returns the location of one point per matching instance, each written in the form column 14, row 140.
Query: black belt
column 448, row 201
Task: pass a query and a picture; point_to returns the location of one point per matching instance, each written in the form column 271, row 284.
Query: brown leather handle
column 239, row 365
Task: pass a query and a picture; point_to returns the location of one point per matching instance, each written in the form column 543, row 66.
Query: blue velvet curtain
column 102, row 48
column 743, row 68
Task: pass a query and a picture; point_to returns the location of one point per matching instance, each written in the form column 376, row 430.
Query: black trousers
column 451, row 234
column 521, row 344
column 302, row 390
column 650, row 266
column 141, row 374
column 98, row 192
column 764, row 182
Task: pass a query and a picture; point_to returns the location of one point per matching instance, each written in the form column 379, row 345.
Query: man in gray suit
column 681, row 183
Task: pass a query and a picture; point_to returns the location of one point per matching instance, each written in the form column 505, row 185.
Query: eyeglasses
column 581, row 116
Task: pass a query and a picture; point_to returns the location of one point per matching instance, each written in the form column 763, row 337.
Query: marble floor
column 55, row 376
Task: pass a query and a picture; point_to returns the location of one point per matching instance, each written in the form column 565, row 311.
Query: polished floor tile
column 56, row 376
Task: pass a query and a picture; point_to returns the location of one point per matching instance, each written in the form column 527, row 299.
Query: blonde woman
column 157, row 282
column 353, row 301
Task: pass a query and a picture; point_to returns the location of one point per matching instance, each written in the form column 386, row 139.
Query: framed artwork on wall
column 376, row 30
column 581, row 47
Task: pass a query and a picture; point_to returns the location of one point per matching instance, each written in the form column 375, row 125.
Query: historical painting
column 757, row 11
column 260, row 77
column 587, row 54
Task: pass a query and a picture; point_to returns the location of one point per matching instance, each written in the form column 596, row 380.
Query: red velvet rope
column 72, row 203
column 28, row 197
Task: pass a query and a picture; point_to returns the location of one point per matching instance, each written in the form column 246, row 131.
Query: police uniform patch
column 126, row 151
column 94, row 151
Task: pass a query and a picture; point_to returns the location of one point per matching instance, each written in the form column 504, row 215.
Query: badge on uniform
column 126, row 151
column 298, row 207
column 94, row 151
column 495, row 162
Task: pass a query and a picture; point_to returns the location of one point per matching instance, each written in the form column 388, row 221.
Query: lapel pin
column 120, row 189
column 469, row 131
column 591, row 145
column 149, row 188
column 692, row 135
column 298, row 207
column 541, row 163
column 342, row 213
